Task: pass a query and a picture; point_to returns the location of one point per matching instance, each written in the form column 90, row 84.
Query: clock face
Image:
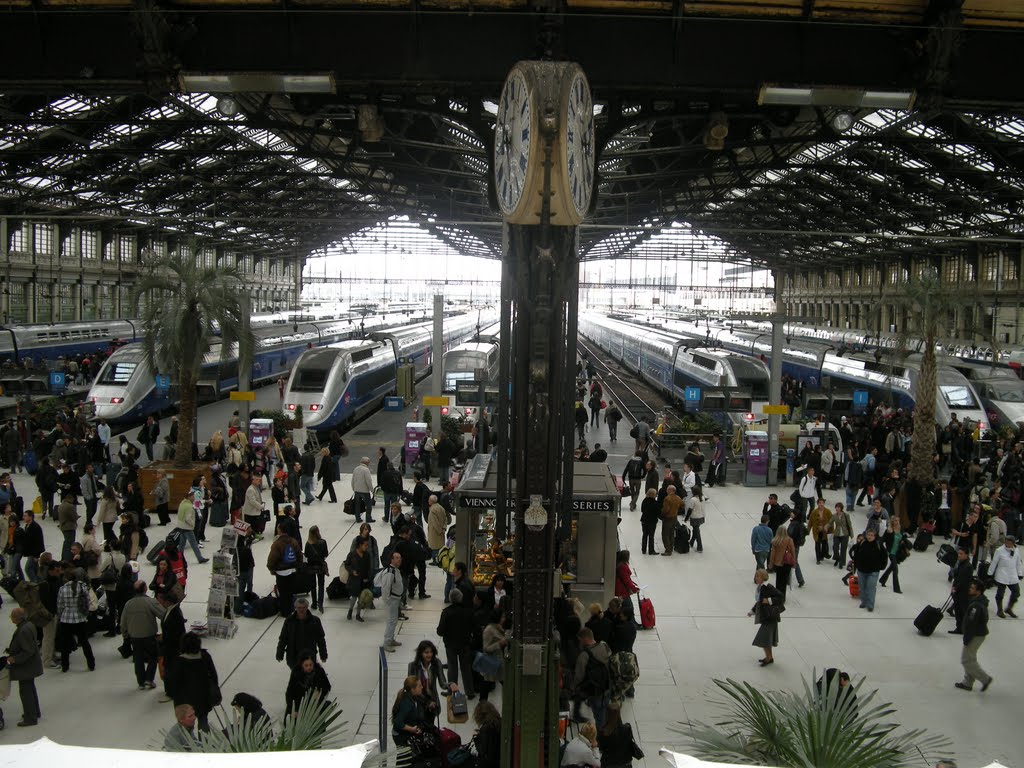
column 579, row 143
column 512, row 142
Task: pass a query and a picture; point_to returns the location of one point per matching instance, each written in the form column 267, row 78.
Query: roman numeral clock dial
column 520, row 145
column 514, row 143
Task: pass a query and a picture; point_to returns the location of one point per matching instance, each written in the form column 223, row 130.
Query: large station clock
column 514, row 134
column 544, row 105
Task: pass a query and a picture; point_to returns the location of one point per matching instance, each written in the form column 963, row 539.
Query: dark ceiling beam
column 101, row 51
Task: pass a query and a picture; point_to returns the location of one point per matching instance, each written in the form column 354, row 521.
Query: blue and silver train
column 460, row 365
column 125, row 388
column 886, row 380
column 671, row 363
column 338, row 384
column 49, row 341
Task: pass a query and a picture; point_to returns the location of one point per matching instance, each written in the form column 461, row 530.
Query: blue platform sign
column 57, row 381
column 692, row 394
column 860, row 401
column 163, row 383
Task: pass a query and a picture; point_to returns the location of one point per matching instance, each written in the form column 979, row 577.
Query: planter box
column 179, row 480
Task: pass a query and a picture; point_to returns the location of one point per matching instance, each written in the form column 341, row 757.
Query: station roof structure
column 282, row 126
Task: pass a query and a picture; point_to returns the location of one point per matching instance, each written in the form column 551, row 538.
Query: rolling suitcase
column 922, row 541
column 854, row 584
column 647, row 620
column 946, row 554
column 928, row 619
column 154, row 553
column 450, row 741
column 682, row 538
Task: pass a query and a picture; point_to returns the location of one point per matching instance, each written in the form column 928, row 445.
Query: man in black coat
column 172, row 630
column 455, row 628
column 962, row 575
column 25, row 665
column 413, row 554
column 302, row 631
column 390, row 482
column 623, row 626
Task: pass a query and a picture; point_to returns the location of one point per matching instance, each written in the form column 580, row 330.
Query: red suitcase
column 854, row 584
column 646, row 613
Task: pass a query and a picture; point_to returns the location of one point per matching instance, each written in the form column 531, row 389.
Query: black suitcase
column 922, row 541
column 154, row 553
column 336, row 590
column 946, row 554
column 265, row 607
column 928, row 619
column 682, row 538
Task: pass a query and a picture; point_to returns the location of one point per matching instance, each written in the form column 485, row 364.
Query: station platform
column 702, row 633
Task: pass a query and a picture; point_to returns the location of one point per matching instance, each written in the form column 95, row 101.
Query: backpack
column 446, row 558
column 385, row 555
column 289, row 557
column 378, row 578
column 623, row 670
column 143, row 540
column 798, row 533
column 82, row 599
column 596, row 679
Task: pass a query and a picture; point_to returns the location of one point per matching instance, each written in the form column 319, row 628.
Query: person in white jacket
column 362, row 490
column 1007, row 570
column 583, row 749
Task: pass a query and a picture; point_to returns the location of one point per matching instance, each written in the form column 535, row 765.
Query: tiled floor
column 702, row 633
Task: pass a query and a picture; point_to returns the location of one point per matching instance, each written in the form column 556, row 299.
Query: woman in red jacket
column 624, row 586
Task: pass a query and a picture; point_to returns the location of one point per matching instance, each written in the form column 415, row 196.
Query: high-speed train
column 341, row 382
column 461, row 363
column 1000, row 390
column 48, row 341
column 671, row 362
column 892, row 381
column 125, row 388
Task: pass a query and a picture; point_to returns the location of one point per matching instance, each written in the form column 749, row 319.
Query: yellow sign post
column 442, row 400
column 242, row 396
column 777, row 410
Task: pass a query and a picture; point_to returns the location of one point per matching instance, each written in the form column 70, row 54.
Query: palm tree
column 930, row 301
column 179, row 302
column 822, row 727
column 316, row 724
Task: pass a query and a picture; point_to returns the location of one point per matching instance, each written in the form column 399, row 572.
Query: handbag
column 487, row 664
column 461, row 757
column 638, row 754
column 788, row 558
column 458, row 708
column 769, row 612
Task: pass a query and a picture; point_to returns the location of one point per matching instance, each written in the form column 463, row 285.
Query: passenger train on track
column 337, row 384
column 125, row 388
column 460, row 365
column 885, row 377
column 671, row 362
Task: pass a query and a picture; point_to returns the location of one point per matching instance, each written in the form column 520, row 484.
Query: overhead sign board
column 429, row 400
column 242, row 396
column 777, row 410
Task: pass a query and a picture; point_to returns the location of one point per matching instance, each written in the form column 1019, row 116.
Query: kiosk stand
column 585, row 559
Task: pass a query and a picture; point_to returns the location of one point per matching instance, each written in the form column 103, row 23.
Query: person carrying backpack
column 591, row 679
column 632, row 476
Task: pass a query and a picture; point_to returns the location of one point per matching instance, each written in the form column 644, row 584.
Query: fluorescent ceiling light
column 256, row 82
column 835, row 96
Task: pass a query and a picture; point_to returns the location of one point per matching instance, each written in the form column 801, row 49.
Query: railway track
column 635, row 399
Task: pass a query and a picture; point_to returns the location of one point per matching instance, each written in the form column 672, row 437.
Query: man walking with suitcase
column 975, row 632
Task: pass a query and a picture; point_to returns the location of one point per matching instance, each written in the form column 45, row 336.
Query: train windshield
column 452, row 379
column 310, row 379
column 117, row 373
column 958, row 396
column 1007, row 393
